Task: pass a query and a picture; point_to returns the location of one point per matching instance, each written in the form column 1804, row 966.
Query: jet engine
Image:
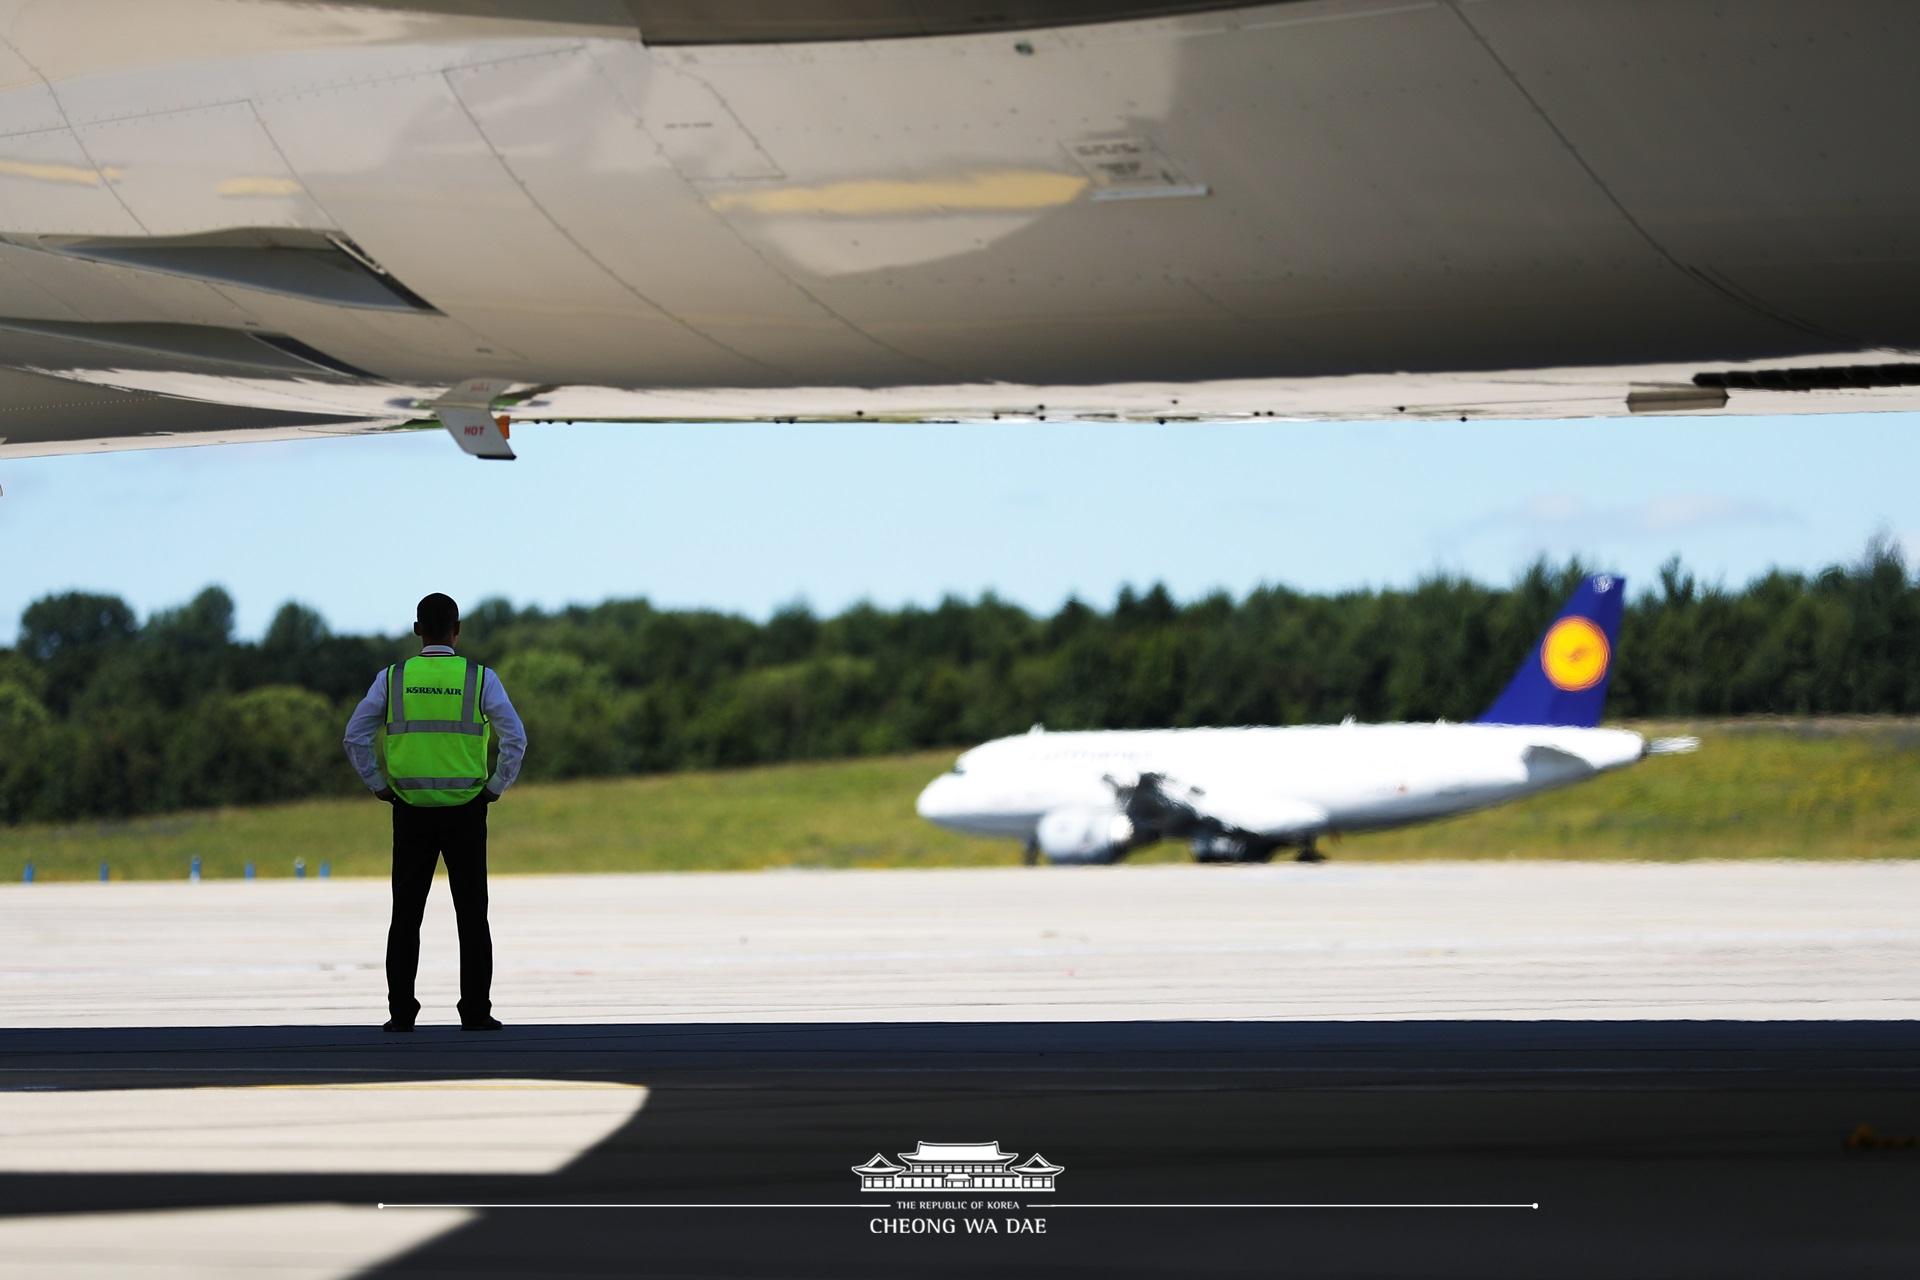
column 1086, row 834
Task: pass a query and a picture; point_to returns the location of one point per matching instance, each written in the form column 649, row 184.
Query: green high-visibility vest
column 437, row 735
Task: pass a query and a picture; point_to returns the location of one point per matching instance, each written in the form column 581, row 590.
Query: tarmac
column 1357, row 1070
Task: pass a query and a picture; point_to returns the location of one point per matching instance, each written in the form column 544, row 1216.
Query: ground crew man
column 440, row 711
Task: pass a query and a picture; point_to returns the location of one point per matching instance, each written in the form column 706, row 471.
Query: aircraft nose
column 937, row 801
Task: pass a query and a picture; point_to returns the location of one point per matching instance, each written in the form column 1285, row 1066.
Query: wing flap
column 42, row 416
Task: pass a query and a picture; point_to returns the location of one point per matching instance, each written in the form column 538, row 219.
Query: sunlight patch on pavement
column 443, row 1126
column 288, row 1242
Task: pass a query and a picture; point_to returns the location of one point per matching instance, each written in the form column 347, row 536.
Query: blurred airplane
column 1239, row 795
column 226, row 220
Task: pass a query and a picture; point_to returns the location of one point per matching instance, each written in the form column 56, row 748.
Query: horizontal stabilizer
column 1545, row 763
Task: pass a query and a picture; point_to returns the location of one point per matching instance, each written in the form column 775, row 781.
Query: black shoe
column 480, row 1024
column 397, row 1024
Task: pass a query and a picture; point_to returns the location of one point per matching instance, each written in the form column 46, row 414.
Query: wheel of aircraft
column 1309, row 853
column 1030, row 856
column 1224, row 848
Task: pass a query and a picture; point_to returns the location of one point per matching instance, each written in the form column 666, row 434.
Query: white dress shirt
column 372, row 713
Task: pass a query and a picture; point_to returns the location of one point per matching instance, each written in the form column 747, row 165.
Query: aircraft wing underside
column 53, row 404
column 1158, row 210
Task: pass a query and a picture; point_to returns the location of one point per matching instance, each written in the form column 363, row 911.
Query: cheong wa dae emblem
column 958, row 1166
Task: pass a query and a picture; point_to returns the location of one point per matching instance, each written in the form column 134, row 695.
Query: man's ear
column 418, row 632
column 456, row 631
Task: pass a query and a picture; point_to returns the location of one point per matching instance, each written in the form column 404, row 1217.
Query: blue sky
column 749, row 517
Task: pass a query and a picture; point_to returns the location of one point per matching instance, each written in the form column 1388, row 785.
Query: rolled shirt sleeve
column 366, row 718
column 507, row 728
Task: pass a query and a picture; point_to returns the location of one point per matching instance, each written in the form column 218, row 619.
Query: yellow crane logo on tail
column 1574, row 655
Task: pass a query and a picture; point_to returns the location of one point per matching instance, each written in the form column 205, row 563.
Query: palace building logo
column 1574, row 654
column 958, row 1166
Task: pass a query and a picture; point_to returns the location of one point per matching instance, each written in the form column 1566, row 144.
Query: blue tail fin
column 1564, row 680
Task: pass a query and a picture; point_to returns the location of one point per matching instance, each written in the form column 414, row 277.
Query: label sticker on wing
column 1130, row 169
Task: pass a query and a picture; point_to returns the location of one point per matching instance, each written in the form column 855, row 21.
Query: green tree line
column 105, row 715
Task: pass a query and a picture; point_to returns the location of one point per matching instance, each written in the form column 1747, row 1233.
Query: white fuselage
column 1283, row 784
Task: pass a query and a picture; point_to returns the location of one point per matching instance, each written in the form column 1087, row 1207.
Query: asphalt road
column 189, row 1083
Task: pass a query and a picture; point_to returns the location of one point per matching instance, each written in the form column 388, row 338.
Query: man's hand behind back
column 385, row 793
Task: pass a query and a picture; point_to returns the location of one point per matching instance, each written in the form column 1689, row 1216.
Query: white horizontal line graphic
column 675, row 1204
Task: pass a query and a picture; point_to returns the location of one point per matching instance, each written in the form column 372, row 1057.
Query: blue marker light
column 249, row 871
column 299, row 868
column 27, row 875
column 103, row 873
column 193, row 869
column 326, row 869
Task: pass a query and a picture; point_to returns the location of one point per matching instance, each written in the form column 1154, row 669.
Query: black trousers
column 422, row 835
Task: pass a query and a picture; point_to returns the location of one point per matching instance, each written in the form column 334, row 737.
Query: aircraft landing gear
column 1309, row 853
column 1231, row 848
column 1030, row 856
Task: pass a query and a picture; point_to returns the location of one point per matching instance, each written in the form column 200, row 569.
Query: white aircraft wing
column 1256, row 810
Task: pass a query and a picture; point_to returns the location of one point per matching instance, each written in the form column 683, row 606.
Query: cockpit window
column 959, row 766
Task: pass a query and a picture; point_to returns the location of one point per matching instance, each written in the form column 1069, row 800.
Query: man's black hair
column 437, row 616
